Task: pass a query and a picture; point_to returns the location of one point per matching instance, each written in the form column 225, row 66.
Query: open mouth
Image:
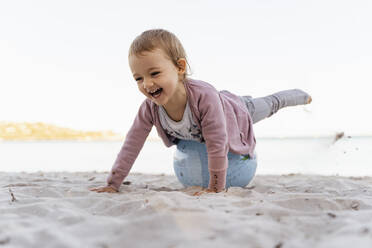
column 156, row 93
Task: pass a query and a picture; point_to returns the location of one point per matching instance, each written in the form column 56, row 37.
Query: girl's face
column 157, row 77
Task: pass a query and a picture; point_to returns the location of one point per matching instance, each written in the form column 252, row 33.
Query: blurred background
column 63, row 65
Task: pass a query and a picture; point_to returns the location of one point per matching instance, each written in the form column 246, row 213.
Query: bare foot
column 309, row 100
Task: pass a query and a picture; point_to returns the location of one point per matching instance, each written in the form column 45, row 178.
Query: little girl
column 213, row 130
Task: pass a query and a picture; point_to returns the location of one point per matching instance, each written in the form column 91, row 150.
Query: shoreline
column 157, row 139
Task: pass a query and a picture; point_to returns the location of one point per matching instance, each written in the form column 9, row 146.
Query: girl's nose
column 147, row 84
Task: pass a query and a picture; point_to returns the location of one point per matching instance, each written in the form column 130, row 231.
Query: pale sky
column 65, row 62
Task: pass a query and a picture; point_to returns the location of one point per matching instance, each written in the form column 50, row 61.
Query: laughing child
column 213, row 130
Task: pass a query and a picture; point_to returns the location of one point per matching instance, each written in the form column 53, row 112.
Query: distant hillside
column 43, row 131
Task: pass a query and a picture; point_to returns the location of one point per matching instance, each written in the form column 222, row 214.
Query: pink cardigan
column 221, row 116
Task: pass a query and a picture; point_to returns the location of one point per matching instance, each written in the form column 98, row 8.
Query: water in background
column 346, row 157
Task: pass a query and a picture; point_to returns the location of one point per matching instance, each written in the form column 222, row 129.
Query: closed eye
column 155, row 73
column 138, row 79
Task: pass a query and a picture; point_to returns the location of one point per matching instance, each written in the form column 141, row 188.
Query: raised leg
column 263, row 107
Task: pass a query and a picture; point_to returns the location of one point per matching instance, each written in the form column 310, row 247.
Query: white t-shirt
column 185, row 129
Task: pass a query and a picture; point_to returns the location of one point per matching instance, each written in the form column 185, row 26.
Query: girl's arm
column 133, row 144
column 213, row 124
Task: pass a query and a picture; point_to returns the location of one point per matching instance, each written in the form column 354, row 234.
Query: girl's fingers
column 199, row 193
column 103, row 189
column 207, row 190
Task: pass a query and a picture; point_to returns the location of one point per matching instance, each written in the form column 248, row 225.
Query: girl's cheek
column 140, row 87
column 141, row 90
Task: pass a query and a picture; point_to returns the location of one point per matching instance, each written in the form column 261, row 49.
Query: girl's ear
column 181, row 66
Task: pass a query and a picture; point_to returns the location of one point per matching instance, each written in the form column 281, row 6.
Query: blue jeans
column 191, row 166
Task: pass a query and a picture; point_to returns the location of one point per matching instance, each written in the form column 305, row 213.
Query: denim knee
column 191, row 166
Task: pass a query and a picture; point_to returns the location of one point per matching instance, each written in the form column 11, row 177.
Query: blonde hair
column 162, row 39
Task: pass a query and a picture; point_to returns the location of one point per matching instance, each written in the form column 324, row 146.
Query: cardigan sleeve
column 133, row 144
column 213, row 125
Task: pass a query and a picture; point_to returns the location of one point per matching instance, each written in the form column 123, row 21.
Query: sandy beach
column 294, row 210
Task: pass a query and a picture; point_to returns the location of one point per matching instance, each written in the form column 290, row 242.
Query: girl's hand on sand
column 207, row 190
column 107, row 189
